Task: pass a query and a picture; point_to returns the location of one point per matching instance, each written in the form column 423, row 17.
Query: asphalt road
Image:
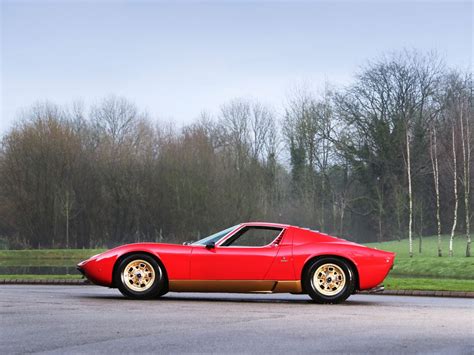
column 89, row 319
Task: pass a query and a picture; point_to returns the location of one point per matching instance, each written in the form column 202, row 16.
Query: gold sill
column 235, row 286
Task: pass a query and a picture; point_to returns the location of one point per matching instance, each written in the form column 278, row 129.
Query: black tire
column 145, row 264
column 322, row 290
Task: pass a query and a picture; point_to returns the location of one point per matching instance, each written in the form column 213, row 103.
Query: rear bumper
column 374, row 269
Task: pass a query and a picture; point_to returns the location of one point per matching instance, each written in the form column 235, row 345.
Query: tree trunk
column 465, row 138
column 323, row 192
column 380, row 227
column 341, row 220
column 67, row 228
column 434, row 163
column 420, row 236
column 456, row 199
column 410, row 197
column 380, row 210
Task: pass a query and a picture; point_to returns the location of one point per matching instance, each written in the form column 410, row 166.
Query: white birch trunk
column 410, row 197
column 434, row 163
column 456, row 199
column 465, row 137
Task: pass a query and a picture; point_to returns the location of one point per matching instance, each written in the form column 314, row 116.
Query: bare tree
column 261, row 126
column 435, row 166
column 66, row 207
column 466, row 154
column 410, row 196
column 455, row 191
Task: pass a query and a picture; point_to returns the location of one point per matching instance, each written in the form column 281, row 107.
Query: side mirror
column 210, row 245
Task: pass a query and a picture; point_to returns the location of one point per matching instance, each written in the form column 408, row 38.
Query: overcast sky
column 175, row 59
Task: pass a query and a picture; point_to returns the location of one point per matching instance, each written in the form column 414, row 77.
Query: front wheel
column 140, row 276
column 329, row 280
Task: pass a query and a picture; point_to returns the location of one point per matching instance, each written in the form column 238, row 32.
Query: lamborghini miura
column 248, row 257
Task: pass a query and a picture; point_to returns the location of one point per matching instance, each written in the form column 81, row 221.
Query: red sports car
column 249, row 257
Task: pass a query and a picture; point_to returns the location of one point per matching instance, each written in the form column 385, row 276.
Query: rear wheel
column 140, row 276
column 329, row 280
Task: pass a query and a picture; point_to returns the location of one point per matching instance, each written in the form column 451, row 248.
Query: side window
column 253, row 237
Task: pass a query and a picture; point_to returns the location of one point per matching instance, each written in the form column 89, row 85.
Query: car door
column 247, row 254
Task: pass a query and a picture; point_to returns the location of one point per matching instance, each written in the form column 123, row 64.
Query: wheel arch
column 314, row 258
column 123, row 256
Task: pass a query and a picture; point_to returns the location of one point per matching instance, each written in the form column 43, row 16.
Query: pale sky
column 175, row 59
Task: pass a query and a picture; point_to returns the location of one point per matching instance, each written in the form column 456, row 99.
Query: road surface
column 90, row 319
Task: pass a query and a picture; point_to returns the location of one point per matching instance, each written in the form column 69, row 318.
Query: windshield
column 215, row 237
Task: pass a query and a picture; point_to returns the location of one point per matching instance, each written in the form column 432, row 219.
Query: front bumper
column 81, row 270
column 98, row 269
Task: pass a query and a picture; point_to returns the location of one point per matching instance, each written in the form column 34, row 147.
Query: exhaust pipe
column 376, row 289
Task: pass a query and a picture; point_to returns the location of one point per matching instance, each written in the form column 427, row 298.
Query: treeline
column 388, row 156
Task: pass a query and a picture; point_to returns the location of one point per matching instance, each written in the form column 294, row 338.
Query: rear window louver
column 280, row 237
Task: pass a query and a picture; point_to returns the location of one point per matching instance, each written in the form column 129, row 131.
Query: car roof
column 266, row 224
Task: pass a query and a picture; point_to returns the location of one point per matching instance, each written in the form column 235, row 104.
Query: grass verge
column 427, row 264
column 49, row 253
column 427, row 284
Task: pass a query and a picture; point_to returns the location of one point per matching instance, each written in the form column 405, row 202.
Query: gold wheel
column 329, row 279
column 138, row 275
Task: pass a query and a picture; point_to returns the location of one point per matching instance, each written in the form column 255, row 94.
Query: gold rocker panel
column 235, row 286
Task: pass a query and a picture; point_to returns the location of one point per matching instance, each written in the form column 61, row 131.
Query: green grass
column 39, row 262
column 49, row 253
column 428, row 264
column 45, row 257
column 429, row 246
column 401, row 283
column 427, row 271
